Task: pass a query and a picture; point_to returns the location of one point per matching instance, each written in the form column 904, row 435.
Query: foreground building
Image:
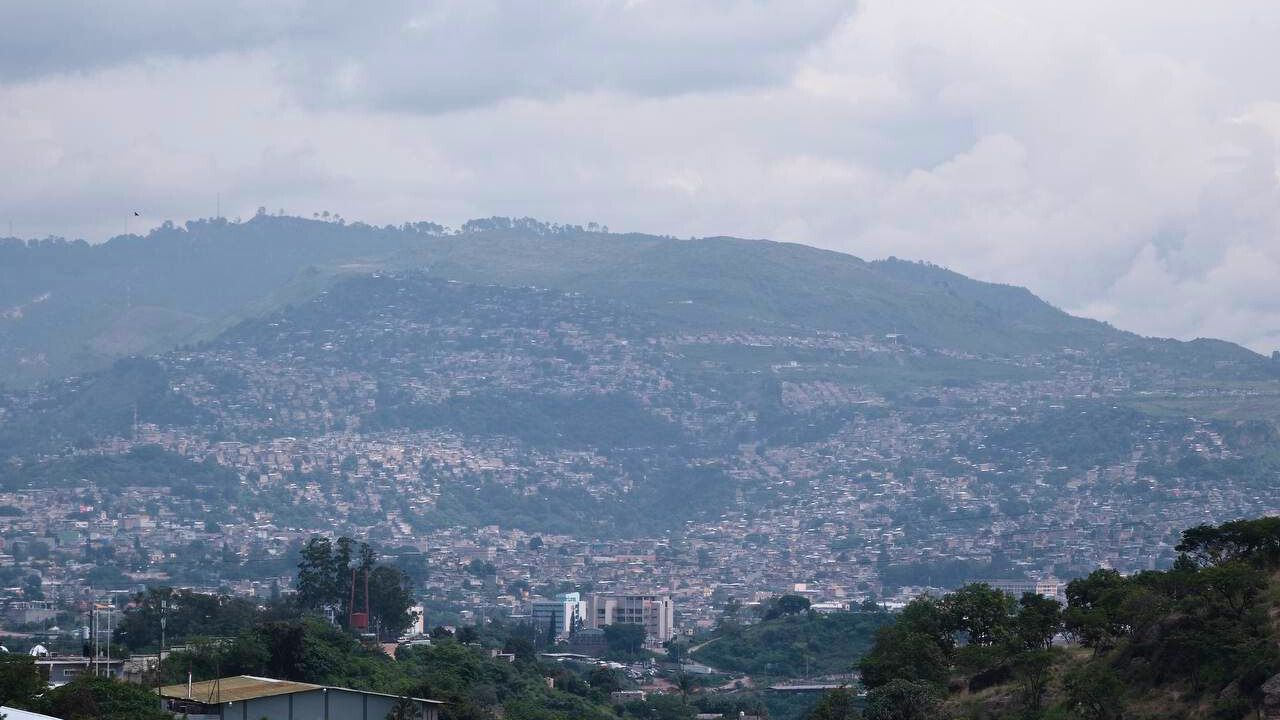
column 245, row 697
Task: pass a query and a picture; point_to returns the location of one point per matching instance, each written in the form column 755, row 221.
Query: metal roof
column 249, row 687
column 233, row 689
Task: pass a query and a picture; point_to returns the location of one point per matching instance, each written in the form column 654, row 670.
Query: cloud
column 47, row 38
column 438, row 56
column 1120, row 162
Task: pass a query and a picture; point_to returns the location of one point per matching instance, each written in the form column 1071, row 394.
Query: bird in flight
column 135, row 214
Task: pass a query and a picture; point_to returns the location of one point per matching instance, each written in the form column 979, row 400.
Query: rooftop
column 248, row 687
column 234, row 689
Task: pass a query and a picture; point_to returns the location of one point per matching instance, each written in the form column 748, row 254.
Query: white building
column 562, row 614
column 419, row 624
column 655, row 612
column 1047, row 587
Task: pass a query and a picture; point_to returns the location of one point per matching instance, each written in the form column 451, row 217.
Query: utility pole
column 164, row 605
column 93, row 630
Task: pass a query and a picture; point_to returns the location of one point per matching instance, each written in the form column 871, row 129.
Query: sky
column 1119, row 158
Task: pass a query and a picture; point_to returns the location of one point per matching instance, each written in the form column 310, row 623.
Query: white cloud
column 1118, row 160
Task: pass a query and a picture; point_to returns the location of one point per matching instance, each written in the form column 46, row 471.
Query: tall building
column 560, row 614
column 655, row 612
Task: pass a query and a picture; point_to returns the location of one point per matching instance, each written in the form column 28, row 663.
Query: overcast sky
column 1119, row 158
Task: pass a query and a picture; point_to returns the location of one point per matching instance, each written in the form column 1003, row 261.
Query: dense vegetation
column 87, row 698
column 1195, row 641
column 792, row 643
column 144, row 466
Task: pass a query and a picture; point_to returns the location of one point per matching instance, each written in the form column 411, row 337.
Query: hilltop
column 67, row 307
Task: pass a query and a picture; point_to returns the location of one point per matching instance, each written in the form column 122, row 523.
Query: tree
column 839, row 704
column 32, row 588
column 1031, row 671
column 90, row 698
column 980, row 611
column 928, row 617
column 1094, row 692
column 1093, row 609
column 784, row 605
column 1039, row 619
column 624, row 638
column 1257, row 539
column 20, row 680
column 316, row 574
column 389, row 601
column 900, row 653
column 605, row 679
column 902, row 700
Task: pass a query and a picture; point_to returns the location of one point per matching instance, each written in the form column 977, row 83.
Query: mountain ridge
column 72, row 306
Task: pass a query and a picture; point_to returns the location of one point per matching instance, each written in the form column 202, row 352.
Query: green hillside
column 66, row 307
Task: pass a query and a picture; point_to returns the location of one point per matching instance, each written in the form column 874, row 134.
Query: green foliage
column 1039, row 619
column 839, row 704
column 146, row 466
column 586, row 421
column 90, row 698
column 187, row 615
column 903, row 700
column 785, row 605
column 1094, row 608
column 1201, row 630
column 1081, row 435
column 1253, row 540
column 1031, row 671
column 325, row 574
column 20, row 680
column 902, row 653
column 625, row 639
column 1094, row 692
column 981, row 612
column 794, row 645
column 144, row 294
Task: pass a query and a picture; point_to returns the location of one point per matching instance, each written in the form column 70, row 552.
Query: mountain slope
column 69, row 307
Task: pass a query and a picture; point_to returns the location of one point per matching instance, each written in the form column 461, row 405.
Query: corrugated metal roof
column 234, row 689
column 248, row 687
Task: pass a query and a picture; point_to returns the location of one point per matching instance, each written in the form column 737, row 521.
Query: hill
column 67, row 307
column 593, row 412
